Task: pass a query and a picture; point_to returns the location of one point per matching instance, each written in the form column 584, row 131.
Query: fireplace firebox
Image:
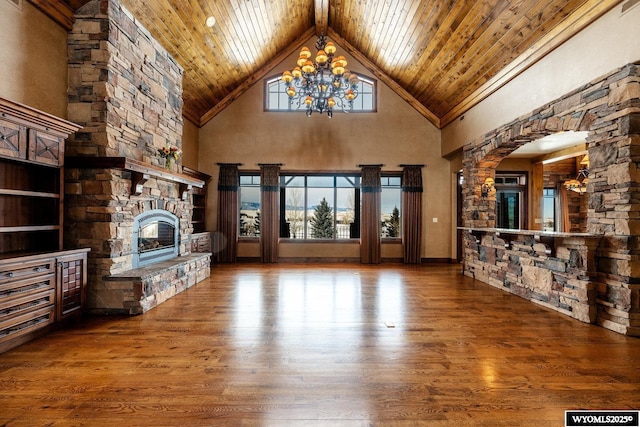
column 155, row 237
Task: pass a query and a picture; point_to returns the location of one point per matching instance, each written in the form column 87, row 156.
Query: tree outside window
column 322, row 221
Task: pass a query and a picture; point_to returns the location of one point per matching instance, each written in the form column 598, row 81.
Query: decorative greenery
column 392, row 225
column 322, row 221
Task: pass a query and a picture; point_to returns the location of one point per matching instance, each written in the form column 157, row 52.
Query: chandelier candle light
column 324, row 84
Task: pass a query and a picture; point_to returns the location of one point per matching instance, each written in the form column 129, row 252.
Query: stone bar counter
column 555, row 270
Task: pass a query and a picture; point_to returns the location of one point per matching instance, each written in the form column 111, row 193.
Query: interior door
column 509, row 209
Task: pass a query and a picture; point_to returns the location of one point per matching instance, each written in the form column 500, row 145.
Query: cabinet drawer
column 25, row 287
column 13, row 140
column 27, row 302
column 22, row 324
column 46, row 148
column 11, row 272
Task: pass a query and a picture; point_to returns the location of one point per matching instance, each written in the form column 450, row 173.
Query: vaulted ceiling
column 441, row 56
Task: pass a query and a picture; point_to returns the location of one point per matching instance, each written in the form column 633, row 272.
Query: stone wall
column 558, row 273
column 609, row 108
column 126, row 92
column 124, row 87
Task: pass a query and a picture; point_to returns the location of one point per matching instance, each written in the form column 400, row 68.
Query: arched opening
column 592, row 275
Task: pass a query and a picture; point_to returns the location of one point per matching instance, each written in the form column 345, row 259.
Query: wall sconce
column 487, row 187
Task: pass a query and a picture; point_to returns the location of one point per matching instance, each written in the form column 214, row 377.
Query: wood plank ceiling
column 442, row 56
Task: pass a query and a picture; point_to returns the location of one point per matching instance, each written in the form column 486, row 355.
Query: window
column 276, row 98
column 391, row 200
column 549, row 210
column 249, row 205
column 319, row 206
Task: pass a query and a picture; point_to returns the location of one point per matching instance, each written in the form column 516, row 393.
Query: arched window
column 277, row 100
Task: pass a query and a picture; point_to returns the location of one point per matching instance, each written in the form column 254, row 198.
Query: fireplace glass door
column 155, row 237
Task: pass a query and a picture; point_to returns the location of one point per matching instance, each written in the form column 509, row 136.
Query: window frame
column 388, row 175
column 253, row 174
column 334, row 175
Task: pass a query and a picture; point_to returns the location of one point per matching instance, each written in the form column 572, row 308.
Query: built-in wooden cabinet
column 71, row 289
column 39, row 290
column 40, row 282
column 199, row 198
column 13, row 139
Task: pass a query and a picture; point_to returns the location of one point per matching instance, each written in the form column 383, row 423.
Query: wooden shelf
column 23, row 228
column 141, row 171
column 25, row 193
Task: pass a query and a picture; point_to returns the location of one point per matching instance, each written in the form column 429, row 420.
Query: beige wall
column 608, row 43
column 396, row 134
column 190, row 142
column 33, row 55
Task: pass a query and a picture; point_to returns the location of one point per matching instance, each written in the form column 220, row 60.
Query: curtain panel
column 412, row 212
column 269, row 212
column 563, row 201
column 226, row 241
column 371, row 188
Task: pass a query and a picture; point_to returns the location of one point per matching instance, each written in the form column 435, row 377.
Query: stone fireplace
column 126, row 92
column 155, row 237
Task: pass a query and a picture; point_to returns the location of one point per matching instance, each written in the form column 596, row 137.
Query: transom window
column 276, row 98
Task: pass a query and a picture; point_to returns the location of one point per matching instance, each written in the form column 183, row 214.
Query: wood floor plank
column 323, row 345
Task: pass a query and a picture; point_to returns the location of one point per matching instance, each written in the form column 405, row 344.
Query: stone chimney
column 126, row 91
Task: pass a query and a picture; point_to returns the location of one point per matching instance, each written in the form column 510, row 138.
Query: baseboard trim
column 438, row 261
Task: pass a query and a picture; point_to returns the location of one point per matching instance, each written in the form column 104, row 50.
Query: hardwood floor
column 323, row 345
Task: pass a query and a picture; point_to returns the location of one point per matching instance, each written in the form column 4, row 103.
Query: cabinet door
column 46, row 148
column 72, row 285
column 13, row 140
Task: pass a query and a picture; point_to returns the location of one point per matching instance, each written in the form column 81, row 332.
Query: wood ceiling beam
column 257, row 75
column 56, row 10
column 383, row 77
column 573, row 24
column 322, row 16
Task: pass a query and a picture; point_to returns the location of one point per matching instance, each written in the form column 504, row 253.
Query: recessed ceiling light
column 211, row 21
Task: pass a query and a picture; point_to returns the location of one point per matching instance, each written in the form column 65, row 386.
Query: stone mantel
column 141, row 171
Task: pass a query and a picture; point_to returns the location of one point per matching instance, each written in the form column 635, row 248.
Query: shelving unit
column 40, row 282
column 30, row 201
column 200, row 239
column 199, row 195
